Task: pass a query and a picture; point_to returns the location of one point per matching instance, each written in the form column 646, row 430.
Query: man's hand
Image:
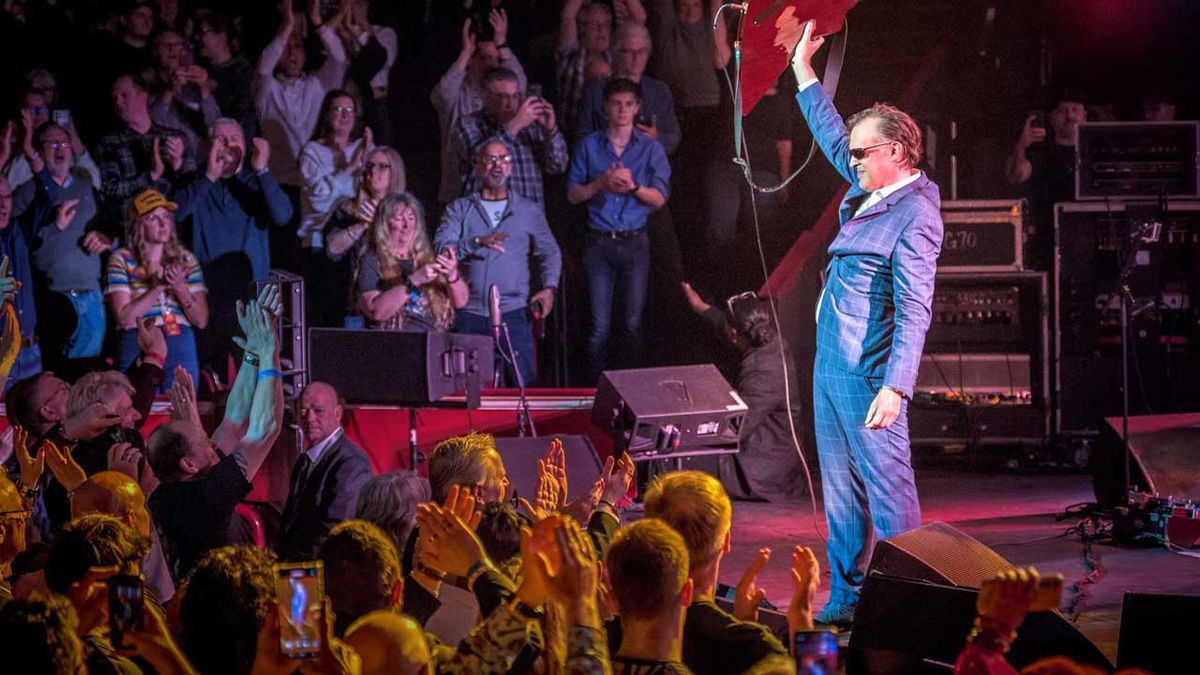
column 89, row 596
column 65, row 214
column 805, row 49
column 529, row 111
column 124, row 458
column 150, row 338
column 175, row 150
column 89, row 423
column 1031, row 133
column 697, row 303
column 541, row 303
column 260, row 337
column 64, row 467
column 555, row 459
column 157, row 168
column 468, row 42
column 270, row 300
column 621, row 179
column 806, row 579
column 884, row 409
column 546, row 116
column 31, row 467
column 260, row 153
column 452, row 547
column 651, row 129
column 494, row 241
column 214, row 168
column 573, row 585
column 183, row 398
column 618, row 478
column 748, row 594
column 499, row 21
column 96, row 242
column 545, row 500
column 155, row 644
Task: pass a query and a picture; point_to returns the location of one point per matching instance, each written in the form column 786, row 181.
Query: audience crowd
column 164, row 156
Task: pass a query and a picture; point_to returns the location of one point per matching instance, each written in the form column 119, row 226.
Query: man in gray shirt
column 57, row 208
column 495, row 232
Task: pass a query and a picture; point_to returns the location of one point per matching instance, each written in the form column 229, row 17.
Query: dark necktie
column 300, row 474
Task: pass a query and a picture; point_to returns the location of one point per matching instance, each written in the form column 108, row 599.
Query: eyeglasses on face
column 861, row 153
column 378, row 166
column 344, row 109
column 490, row 160
column 37, row 110
column 57, row 145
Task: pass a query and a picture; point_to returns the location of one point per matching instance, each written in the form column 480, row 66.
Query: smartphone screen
column 299, row 589
column 816, row 652
column 535, row 90
column 61, row 117
column 126, row 604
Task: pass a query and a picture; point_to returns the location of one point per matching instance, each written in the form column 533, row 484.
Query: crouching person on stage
column 495, row 232
column 871, row 321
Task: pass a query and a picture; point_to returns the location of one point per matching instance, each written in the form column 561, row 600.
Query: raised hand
column 545, row 502
column 150, row 338
column 157, row 168
column 574, row 583
column 1031, row 133
column 175, row 150
column 618, row 478
column 450, row 546
column 260, row 153
column 64, row 467
column 258, row 326
column 748, row 595
column 805, row 49
column 31, row 466
column 215, row 166
column 183, row 398
column 499, row 21
column 447, row 262
column 555, row 459
column 527, row 113
column 366, row 209
column 124, row 458
column 1006, row 598
column 651, row 129
column 269, row 299
column 806, row 579
column 90, row 422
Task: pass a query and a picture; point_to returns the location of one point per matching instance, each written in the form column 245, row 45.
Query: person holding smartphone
column 1044, row 158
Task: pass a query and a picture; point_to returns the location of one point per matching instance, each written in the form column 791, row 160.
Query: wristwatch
column 636, row 186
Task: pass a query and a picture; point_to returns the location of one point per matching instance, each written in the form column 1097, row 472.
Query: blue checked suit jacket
column 876, row 303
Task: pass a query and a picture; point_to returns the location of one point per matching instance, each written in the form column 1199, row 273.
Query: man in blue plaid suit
column 871, row 320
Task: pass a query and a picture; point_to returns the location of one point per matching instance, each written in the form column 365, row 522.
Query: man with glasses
column 871, row 321
column 496, row 232
column 656, row 117
column 58, row 210
column 526, row 123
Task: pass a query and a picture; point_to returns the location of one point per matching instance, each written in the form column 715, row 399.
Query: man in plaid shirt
column 528, row 126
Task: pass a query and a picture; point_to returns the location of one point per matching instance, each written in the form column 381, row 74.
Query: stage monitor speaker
column 521, row 455
column 1157, row 633
column 657, row 413
column 379, row 367
column 1165, row 461
column 931, row 576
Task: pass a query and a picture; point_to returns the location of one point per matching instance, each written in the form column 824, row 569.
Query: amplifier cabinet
column 984, row 235
column 1137, row 160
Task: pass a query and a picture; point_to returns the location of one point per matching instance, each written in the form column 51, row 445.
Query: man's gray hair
column 894, row 125
column 390, row 500
column 96, row 387
column 630, row 29
column 585, row 12
column 212, row 128
column 490, row 140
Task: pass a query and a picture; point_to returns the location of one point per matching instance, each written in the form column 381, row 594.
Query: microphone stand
column 525, row 426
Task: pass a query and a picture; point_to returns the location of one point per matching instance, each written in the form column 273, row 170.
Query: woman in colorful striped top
column 157, row 279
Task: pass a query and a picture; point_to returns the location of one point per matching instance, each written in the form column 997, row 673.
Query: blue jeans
column 28, row 364
column 88, row 338
column 621, row 268
column 181, row 351
column 520, row 332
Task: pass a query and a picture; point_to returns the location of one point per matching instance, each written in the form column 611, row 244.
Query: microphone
column 494, row 309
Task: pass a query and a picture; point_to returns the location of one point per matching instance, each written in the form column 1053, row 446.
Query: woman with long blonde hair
column 403, row 284
column 156, row 280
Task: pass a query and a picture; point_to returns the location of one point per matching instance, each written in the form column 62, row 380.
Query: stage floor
column 1010, row 512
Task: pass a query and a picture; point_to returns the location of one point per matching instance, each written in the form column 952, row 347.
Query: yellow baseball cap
column 148, row 200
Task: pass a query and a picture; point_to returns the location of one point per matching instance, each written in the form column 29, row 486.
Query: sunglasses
column 861, row 153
